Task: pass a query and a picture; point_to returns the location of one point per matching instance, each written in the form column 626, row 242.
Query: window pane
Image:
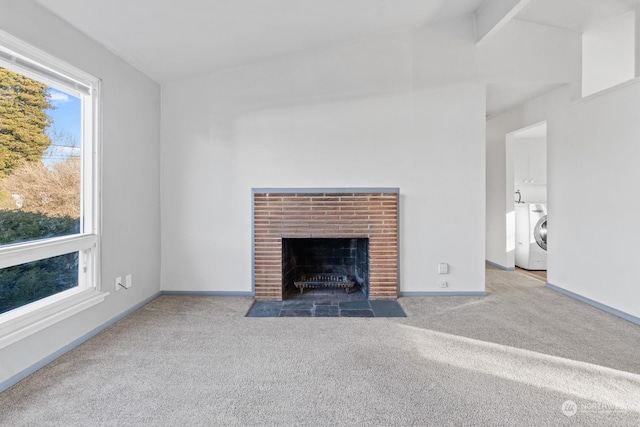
column 40, row 164
column 26, row 283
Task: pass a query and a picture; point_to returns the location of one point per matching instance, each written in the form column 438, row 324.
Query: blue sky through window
column 66, row 130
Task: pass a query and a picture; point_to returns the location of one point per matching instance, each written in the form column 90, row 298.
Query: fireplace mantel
column 325, row 213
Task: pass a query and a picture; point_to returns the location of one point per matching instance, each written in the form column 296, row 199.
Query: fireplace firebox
column 324, row 263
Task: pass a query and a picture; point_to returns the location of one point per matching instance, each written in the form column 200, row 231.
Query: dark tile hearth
column 295, row 313
column 325, row 304
column 326, row 311
column 357, row 313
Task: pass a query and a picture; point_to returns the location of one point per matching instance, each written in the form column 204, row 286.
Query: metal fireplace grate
column 315, row 281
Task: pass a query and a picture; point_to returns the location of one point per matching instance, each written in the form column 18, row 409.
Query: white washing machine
column 531, row 236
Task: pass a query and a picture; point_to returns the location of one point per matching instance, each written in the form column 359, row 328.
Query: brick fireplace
column 369, row 215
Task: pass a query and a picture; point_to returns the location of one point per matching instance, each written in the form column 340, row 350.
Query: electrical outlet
column 127, row 281
column 444, row 284
column 443, row 268
column 118, row 283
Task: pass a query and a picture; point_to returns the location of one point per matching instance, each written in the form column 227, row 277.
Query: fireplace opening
column 321, row 264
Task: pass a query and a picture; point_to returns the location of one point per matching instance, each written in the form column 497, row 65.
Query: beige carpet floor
column 522, row 356
column 536, row 274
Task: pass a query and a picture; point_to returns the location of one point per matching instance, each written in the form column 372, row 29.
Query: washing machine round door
column 540, row 232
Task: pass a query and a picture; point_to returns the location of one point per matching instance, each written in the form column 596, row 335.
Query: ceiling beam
column 492, row 15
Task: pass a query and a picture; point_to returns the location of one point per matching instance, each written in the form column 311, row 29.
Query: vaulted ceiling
column 169, row 40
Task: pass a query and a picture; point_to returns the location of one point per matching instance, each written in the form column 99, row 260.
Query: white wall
column 530, row 168
column 400, row 110
column 528, row 53
column 591, row 146
column 500, row 196
column 521, row 53
column 499, row 247
column 636, row 42
column 608, row 53
column 532, row 193
column 593, row 230
column 131, row 191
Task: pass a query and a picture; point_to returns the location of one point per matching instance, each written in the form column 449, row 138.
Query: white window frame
column 23, row 321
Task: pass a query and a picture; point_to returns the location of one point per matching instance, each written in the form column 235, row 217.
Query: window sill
column 22, row 322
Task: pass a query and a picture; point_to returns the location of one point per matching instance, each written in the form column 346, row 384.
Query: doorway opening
column 526, row 187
